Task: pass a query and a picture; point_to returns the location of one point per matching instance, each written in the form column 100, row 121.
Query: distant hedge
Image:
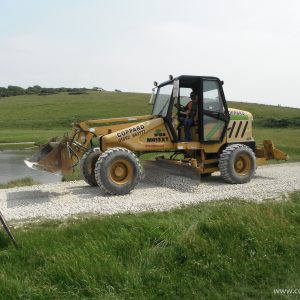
column 79, row 92
column 281, row 123
column 37, row 90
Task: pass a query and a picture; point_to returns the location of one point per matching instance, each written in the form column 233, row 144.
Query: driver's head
column 193, row 96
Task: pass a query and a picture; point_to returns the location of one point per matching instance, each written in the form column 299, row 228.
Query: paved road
column 157, row 192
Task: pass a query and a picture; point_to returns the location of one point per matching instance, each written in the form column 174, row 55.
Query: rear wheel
column 87, row 166
column 237, row 163
column 118, row 171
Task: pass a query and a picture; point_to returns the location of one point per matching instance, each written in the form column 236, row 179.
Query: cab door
column 214, row 112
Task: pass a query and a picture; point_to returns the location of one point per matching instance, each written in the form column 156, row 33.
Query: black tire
column 118, row 171
column 87, row 166
column 237, row 164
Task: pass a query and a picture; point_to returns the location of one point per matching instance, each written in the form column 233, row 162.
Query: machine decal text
column 126, row 134
column 159, row 136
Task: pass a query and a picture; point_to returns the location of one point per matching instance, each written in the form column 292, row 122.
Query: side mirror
column 151, row 101
column 176, row 88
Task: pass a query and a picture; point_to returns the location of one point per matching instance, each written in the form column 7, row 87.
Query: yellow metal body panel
column 152, row 135
column 107, row 126
column 149, row 133
column 239, row 128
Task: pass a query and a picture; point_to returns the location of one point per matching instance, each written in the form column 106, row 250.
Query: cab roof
column 188, row 79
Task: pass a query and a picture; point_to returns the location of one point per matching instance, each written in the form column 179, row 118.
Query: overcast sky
column 254, row 46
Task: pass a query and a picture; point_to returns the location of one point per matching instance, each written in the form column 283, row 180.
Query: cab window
column 213, row 125
column 162, row 100
column 185, row 96
column 212, row 100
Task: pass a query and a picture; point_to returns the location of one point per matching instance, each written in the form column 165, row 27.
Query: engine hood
column 237, row 114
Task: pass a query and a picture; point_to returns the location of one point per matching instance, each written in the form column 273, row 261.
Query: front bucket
column 53, row 157
column 176, row 169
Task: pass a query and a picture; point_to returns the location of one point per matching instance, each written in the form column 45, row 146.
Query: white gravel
column 159, row 191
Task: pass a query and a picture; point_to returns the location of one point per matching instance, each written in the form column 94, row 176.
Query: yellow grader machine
column 220, row 139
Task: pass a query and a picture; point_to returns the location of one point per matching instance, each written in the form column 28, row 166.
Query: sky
column 254, row 46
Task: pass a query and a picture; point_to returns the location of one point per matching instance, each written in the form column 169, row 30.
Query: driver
column 189, row 115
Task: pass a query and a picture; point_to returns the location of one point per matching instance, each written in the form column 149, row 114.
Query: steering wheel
column 180, row 107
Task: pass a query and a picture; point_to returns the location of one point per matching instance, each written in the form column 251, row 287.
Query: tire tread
column 224, row 162
column 91, row 180
column 103, row 158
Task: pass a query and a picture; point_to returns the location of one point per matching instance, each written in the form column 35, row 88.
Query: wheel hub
column 120, row 172
column 242, row 164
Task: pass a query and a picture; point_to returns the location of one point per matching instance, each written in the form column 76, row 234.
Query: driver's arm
column 180, row 107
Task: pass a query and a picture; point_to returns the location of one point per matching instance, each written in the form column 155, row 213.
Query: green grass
column 218, row 250
column 60, row 110
column 38, row 118
column 29, row 135
column 18, row 146
column 18, row 182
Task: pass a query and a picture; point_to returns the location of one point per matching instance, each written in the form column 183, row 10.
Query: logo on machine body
column 159, row 136
column 126, row 134
column 237, row 113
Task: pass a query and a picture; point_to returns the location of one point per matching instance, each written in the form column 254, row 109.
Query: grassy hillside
column 219, row 250
column 38, row 118
column 262, row 112
column 60, row 110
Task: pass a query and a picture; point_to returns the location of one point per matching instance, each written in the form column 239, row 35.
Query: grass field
column 38, row 118
column 219, row 250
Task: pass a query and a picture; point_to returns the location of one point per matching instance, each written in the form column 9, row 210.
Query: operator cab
column 211, row 116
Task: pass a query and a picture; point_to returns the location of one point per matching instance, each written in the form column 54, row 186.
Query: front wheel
column 87, row 166
column 118, row 171
column 237, row 163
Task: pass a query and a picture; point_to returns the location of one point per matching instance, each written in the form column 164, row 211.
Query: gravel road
column 158, row 191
